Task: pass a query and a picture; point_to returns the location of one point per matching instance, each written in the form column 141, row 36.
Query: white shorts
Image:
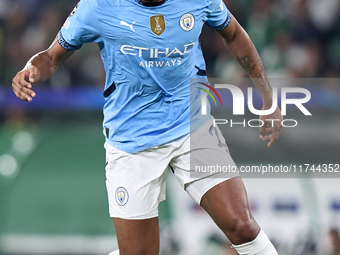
column 135, row 182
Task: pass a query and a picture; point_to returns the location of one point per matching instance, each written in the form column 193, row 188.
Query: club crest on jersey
column 157, row 24
column 187, row 22
column 122, row 196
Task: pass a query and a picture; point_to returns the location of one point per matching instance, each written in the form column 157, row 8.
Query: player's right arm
column 38, row 69
column 82, row 26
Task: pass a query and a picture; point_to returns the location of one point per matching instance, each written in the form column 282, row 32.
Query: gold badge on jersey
column 157, row 24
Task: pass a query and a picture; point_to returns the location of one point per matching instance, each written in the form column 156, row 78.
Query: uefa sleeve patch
column 67, row 23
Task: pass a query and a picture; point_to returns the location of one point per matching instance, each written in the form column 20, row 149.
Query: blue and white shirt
column 150, row 52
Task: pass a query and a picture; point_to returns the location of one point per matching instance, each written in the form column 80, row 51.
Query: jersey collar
column 151, row 4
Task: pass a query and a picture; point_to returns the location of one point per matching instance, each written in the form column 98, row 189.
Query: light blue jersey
column 150, row 52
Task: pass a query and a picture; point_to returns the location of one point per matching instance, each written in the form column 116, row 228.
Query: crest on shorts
column 122, row 196
column 157, row 24
column 187, row 22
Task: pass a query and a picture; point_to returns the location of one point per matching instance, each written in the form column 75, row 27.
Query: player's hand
column 271, row 129
column 22, row 83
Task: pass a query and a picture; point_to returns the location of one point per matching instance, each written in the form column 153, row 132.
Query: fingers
column 271, row 132
column 262, row 130
column 33, row 74
column 273, row 137
column 271, row 127
column 21, row 87
column 23, row 93
column 25, row 74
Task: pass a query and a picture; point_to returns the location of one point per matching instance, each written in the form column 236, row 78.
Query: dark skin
column 243, row 50
column 227, row 202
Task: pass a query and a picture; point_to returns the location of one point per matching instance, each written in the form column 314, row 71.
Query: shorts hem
column 149, row 215
column 206, row 188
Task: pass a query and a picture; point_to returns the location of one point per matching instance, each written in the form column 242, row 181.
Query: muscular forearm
column 244, row 51
column 242, row 48
column 39, row 68
column 45, row 64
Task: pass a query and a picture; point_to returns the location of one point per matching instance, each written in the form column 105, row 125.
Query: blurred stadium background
column 52, row 183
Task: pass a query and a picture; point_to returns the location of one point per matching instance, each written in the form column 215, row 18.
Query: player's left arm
column 243, row 50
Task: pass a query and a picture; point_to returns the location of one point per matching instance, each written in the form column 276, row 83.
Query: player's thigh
column 228, row 206
column 211, row 178
column 204, row 161
column 227, row 199
column 137, row 236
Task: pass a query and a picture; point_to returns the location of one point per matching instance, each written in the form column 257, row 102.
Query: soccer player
column 151, row 51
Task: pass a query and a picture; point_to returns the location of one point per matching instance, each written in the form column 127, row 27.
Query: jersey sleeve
column 82, row 26
column 218, row 15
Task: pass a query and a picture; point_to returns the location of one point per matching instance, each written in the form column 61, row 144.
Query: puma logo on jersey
column 123, row 23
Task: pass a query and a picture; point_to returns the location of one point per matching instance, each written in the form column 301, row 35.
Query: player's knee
column 247, row 231
column 241, row 230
